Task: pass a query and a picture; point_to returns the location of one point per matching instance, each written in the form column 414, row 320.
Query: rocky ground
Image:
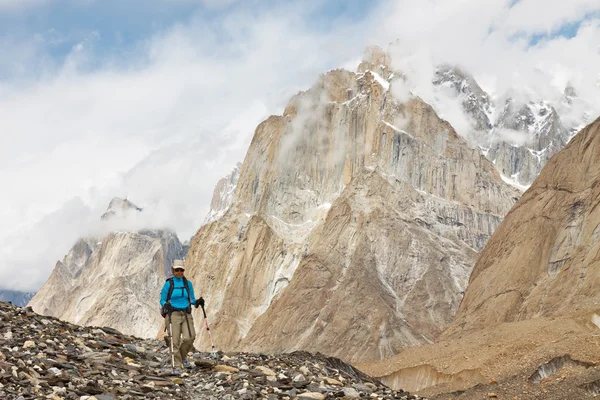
column 571, row 383
column 45, row 358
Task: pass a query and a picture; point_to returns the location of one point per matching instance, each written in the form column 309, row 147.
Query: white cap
column 178, row 264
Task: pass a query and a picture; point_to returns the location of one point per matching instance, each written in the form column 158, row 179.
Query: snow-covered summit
column 474, row 100
column 518, row 130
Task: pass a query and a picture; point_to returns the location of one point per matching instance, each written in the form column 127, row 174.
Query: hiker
column 176, row 301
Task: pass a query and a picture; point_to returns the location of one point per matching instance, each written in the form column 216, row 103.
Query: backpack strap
column 170, row 280
column 185, row 282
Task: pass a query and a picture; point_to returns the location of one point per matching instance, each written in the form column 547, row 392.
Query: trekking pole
column 209, row 335
column 171, row 340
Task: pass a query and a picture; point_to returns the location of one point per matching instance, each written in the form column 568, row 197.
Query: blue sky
column 567, row 30
column 159, row 99
column 118, row 30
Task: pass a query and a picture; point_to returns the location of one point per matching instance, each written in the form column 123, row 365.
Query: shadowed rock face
column 542, row 260
column 353, row 228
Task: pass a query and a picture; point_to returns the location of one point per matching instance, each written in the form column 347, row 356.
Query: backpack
column 171, row 287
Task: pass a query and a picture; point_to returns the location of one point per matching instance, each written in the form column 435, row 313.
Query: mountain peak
column 223, row 194
column 570, row 91
column 119, row 207
column 475, row 101
column 377, row 60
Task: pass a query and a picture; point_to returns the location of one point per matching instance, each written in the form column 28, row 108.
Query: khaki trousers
column 183, row 338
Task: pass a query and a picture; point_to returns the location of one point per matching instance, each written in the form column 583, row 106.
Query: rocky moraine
column 43, row 357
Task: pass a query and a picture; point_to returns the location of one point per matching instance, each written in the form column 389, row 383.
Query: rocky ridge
column 114, row 280
column 43, row 357
column 519, row 131
column 223, row 194
column 562, row 223
column 119, row 207
column 543, row 135
column 474, row 100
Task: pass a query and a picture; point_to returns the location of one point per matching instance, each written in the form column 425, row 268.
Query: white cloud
column 493, row 41
column 162, row 128
column 512, row 136
column 531, row 16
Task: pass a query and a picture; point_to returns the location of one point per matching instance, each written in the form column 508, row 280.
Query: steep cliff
column 223, row 194
column 476, row 103
column 354, row 226
column 531, row 311
column 548, row 244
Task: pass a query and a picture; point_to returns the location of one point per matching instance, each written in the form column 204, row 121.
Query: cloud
column 25, row 255
column 164, row 117
column 530, row 16
column 494, row 42
column 162, row 127
column 511, row 136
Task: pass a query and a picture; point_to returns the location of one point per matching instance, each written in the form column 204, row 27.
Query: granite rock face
column 542, row 259
column 114, row 280
column 223, row 194
column 531, row 311
column 352, row 211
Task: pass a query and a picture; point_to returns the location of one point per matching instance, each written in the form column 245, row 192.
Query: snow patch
column 513, row 181
column 537, row 154
column 296, row 233
column 397, row 129
column 384, row 84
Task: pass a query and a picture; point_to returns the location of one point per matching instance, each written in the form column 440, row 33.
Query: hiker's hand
column 200, row 302
column 167, row 308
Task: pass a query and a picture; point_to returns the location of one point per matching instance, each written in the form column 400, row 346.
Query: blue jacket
column 179, row 297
